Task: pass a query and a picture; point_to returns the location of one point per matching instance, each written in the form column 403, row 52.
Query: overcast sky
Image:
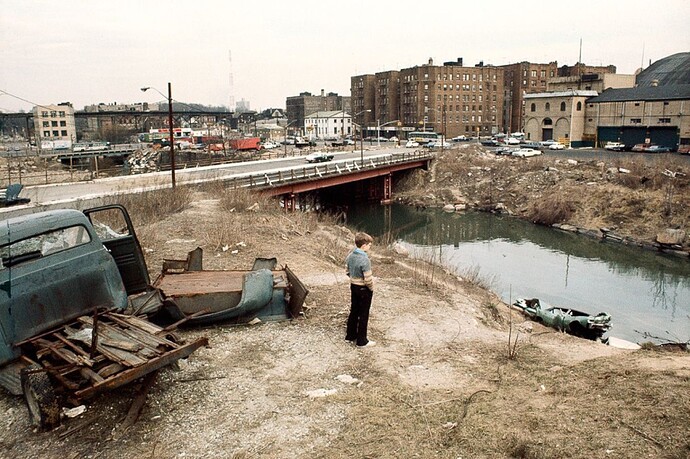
column 91, row 51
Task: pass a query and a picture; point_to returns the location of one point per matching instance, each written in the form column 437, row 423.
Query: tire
column 44, row 409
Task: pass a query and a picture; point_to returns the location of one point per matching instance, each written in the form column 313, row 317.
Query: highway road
column 68, row 192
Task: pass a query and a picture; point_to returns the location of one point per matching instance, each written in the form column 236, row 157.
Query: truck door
column 115, row 229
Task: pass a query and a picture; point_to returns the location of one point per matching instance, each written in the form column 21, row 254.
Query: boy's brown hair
column 362, row 238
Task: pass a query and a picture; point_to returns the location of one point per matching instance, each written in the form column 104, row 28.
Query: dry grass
column 154, row 205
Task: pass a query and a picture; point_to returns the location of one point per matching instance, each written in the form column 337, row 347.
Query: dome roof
column 671, row 70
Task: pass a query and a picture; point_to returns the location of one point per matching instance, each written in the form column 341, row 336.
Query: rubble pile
column 144, row 160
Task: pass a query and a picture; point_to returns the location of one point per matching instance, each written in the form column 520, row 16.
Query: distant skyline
column 88, row 52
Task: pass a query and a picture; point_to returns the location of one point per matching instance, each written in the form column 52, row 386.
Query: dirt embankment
column 636, row 201
column 455, row 373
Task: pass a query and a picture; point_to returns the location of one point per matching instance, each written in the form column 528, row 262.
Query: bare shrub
column 552, row 209
column 473, row 276
column 153, row 205
column 244, row 199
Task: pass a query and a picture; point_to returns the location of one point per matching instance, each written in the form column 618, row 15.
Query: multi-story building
column 363, row 99
column 520, row 79
column 580, row 69
column 650, row 114
column 591, row 82
column 328, row 124
column 557, row 115
column 449, row 99
column 54, row 125
column 298, row 107
column 97, row 127
column 654, row 111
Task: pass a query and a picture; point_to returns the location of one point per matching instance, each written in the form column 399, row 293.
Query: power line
column 24, row 100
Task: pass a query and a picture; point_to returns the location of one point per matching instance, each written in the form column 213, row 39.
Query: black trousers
column 358, row 320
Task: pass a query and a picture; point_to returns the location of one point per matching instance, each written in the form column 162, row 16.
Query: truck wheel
column 44, row 409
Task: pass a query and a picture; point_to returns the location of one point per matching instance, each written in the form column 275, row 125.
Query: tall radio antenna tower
column 231, row 91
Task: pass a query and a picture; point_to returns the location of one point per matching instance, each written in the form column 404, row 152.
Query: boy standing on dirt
column 361, row 290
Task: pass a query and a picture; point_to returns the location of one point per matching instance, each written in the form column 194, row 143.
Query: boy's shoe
column 369, row 344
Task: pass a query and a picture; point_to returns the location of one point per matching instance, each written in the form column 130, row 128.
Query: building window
column 46, row 124
column 534, row 73
column 547, row 122
column 54, row 123
column 63, row 133
column 562, row 106
column 63, row 123
column 46, row 133
column 56, row 133
column 44, row 114
column 61, row 114
column 533, row 107
column 579, row 106
column 547, row 107
column 53, row 114
column 635, row 120
column 664, row 120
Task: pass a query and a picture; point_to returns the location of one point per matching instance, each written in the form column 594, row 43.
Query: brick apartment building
column 299, row 107
column 520, row 79
column 451, row 99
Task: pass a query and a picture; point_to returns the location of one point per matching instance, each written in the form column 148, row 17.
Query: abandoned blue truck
column 77, row 307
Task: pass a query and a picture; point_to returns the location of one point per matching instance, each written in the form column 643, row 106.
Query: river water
column 646, row 293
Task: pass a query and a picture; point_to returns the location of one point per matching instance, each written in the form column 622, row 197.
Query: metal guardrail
column 297, row 174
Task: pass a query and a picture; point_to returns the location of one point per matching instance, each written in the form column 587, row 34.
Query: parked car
column 512, row 141
column 411, row 144
column 547, row 143
column 270, row 145
column 640, row 147
column 657, row 149
column 393, row 139
column 342, row 142
column 506, row 151
column 318, row 157
column 532, row 145
column 526, row 152
column 684, row 149
column 557, row 146
column 614, row 146
column 439, row 144
column 490, row 143
column 460, row 138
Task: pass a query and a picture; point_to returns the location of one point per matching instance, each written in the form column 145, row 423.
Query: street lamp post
column 378, row 129
column 361, row 138
column 170, row 127
column 285, row 136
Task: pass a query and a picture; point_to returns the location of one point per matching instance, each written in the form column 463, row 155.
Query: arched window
column 579, row 106
column 547, row 107
column 547, row 122
column 533, row 108
column 562, row 106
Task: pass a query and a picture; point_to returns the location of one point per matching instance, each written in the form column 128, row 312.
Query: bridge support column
column 387, row 189
column 290, row 201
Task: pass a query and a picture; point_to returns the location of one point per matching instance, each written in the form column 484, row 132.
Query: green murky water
column 645, row 292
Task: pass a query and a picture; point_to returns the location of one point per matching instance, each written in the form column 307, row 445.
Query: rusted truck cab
column 65, row 278
column 54, row 268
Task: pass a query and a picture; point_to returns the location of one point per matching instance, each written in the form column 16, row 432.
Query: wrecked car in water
column 571, row 321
